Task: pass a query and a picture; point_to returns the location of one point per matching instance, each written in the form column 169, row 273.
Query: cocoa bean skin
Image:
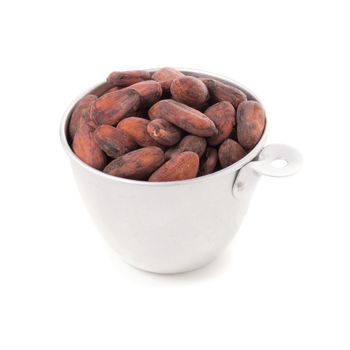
column 250, row 123
column 136, row 128
column 230, row 152
column 189, row 90
column 223, row 92
column 208, row 162
column 136, row 165
column 182, row 166
column 189, row 143
column 122, row 79
column 223, row 115
column 86, row 148
column 114, row 142
column 82, row 110
column 171, row 151
column 150, row 91
column 194, row 144
column 114, row 106
column 166, row 75
column 184, row 117
column 114, row 88
column 164, row 132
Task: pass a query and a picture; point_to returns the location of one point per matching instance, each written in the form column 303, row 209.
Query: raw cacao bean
column 114, row 142
column 223, row 116
column 122, row 79
column 114, row 106
column 150, row 91
column 250, row 123
column 166, row 75
column 184, row 117
column 164, row 132
column 208, row 162
column 86, row 148
column 136, row 165
column 230, row 152
column 82, row 110
column 223, row 92
column 194, row 144
column 136, row 128
column 189, row 90
column 183, row 166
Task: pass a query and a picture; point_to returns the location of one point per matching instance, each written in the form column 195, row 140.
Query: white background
column 284, row 281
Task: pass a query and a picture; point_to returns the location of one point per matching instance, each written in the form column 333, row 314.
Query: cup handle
column 275, row 160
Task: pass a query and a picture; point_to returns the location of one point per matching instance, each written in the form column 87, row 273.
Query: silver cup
column 179, row 226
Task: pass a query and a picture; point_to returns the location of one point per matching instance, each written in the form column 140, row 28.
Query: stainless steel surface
column 176, row 226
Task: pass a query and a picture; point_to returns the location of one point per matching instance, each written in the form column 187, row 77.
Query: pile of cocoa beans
column 164, row 126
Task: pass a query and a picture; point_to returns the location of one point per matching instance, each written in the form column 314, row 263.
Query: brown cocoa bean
column 194, row 144
column 150, row 91
column 82, row 110
column 114, row 106
column 86, row 148
column 182, row 166
column 136, row 165
column 230, row 152
column 170, row 152
column 114, row 88
column 250, row 123
column 136, row 128
column 184, row 117
column 223, row 115
column 122, row 79
column 166, row 75
column 164, row 132
column 189, row 90
column 189, row 143
column 114, row 142
column 208, row 162
column 224, row 92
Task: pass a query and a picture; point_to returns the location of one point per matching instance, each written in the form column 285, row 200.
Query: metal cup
column 173, row 227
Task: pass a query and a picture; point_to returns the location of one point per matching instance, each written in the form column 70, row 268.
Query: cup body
column 166, row 227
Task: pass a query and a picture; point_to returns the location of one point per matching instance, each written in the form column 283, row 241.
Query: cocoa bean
column 208, row 162
column 223, row 116
column 166, row 75
column 150, row 91
column 114, row 142
column 114, row 106
column 224, row 92
column 184, row 117
column 230, row 152
column 136, row 165
column 86, row 148
column 189, row 143
column 164, row 132
column 122, row 79
column 189, row 90
column 82, row 110
column 136, row 128
column 194, row 144
column 183, row 166
column 250, row 123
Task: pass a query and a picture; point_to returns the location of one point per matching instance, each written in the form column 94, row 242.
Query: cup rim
column 251, row 155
